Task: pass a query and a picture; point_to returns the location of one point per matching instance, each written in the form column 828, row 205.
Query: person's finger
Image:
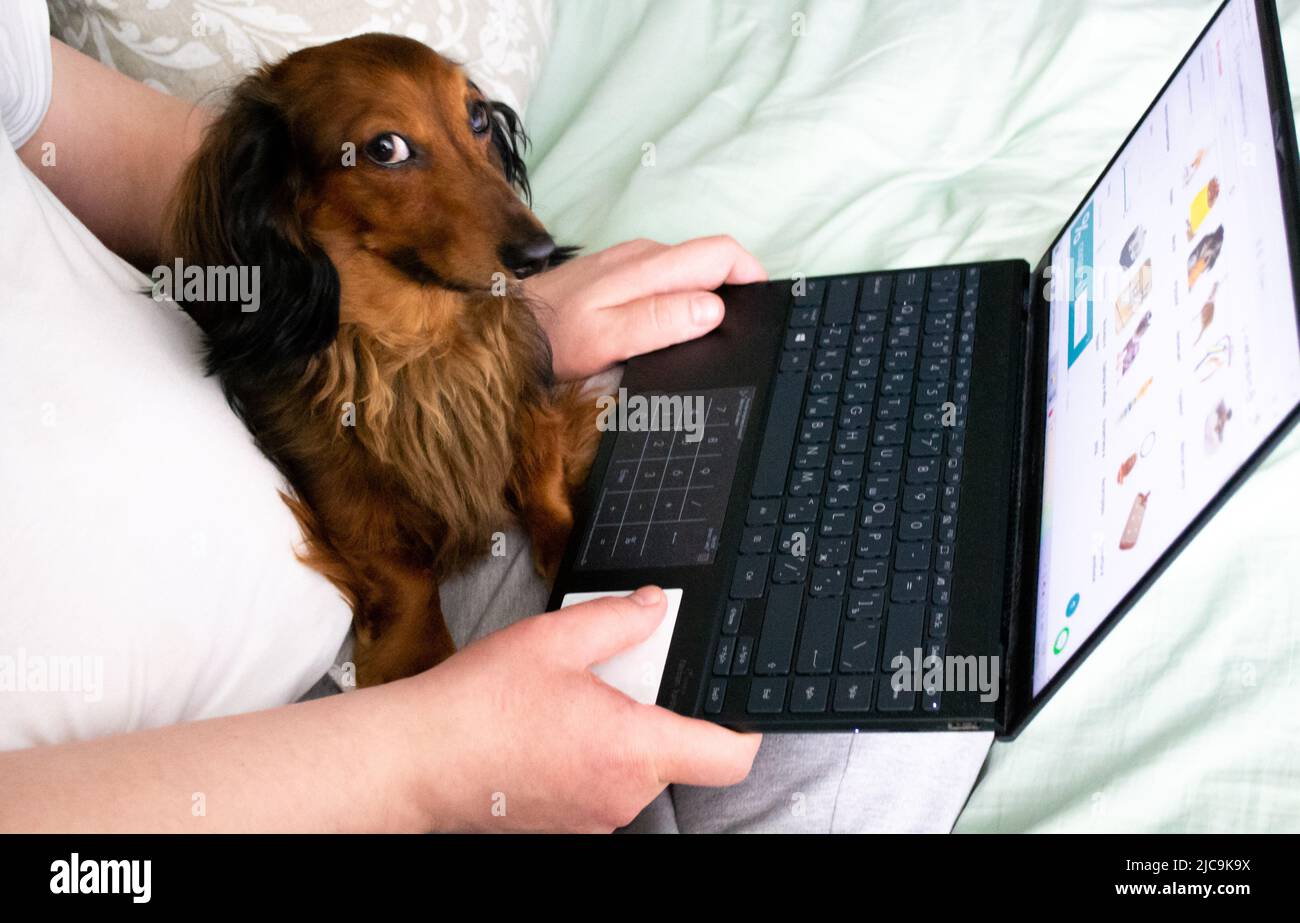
column 651, row 323
column 700, row 264
column 689, row 751
column 597, row 630
column 705, row 262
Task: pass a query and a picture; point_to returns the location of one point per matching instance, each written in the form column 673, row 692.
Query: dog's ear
column 509, row 140
column 238, row 205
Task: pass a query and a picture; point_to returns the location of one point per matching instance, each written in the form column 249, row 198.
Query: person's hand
column 634, row 298
column 527, row 739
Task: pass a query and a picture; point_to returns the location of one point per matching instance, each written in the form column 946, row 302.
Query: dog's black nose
column 529, row 257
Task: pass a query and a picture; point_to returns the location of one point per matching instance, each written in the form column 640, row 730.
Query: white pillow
column 191, row 47
column 147, row 570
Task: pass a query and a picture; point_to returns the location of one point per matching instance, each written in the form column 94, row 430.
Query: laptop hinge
column 1015, row 656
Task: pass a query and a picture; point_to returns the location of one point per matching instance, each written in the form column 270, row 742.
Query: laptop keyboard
column 849, row 539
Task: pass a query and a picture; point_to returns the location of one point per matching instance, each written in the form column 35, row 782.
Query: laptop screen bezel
column 1288, row 165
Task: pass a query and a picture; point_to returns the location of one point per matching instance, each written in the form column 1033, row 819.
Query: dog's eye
column 388, row 149
column 480, row 120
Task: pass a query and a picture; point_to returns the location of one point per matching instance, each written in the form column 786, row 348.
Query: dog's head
column 372, row 156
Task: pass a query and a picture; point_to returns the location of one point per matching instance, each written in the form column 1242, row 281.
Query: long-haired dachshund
column 394, row 371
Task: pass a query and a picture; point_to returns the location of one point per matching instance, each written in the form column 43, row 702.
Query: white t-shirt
column 147, row 569
column 25, row 68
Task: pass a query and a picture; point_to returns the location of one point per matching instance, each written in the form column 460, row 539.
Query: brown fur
column 434, row 350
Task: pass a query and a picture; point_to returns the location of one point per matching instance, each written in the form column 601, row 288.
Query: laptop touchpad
column 664, row 494
column 636, row 672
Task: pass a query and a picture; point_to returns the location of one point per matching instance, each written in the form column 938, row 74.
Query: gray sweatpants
column 801, row 783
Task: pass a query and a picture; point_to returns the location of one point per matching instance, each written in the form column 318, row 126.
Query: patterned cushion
column 190, row 48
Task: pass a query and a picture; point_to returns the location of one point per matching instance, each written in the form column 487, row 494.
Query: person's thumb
column 594, row 631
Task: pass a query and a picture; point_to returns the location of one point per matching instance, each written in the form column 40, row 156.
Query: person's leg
column 833, row 783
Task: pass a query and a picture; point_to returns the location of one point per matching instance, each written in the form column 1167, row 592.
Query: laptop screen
column 1173, row 348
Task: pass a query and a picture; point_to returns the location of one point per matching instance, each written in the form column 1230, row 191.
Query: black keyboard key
column 886, row 458
column 941, row 590
column 795, row 361
column 851, row 441
column 916, row 527
column 923, row 471
column 828, row 581
column 855, row 416
column 875, row 543
column 920, row 498
column 843, row 495
column 861, row 391
column 766, row 696
column 722, row 658
column 715, row 697
column 815, row 430
column 834, row 337
column 789, row 569
column 809, row 694
column 779, row 437
column 732, row 615
column 800, row 511
column 861, row 647
column 821, row 626
column 829, row 359
column 812, row 455
column 893, row 698
column 800, row 338
column 758, row 540
column 750, row 579
column 904, row 627
column 804, row 317
column 871, row 575
column 878, row 515
column 863, row 368
column 821, row 406
column 852, row 694
column 909, row 288
column 793, row 541
column 913, row 556
column 807, row 482
column 833, row 552
column 763, row 512
column 881, row 487
column 841, row 299
column 744, row 653
column 889, row 432
column 945, row 279
column 909, row 588
column 938, row 627
column 875, row 293
column 847, row 467
column 836, row 524
column 868, row 604
column 826, row 382
column 780, row 623
column 809, row 292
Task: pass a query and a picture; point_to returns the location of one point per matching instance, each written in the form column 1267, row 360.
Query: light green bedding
column 911, row 133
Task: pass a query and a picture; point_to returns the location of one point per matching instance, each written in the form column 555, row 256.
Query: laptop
column 918, row 500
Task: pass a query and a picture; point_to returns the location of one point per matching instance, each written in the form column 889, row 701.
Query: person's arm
column 118, row 149
column 511, row 734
